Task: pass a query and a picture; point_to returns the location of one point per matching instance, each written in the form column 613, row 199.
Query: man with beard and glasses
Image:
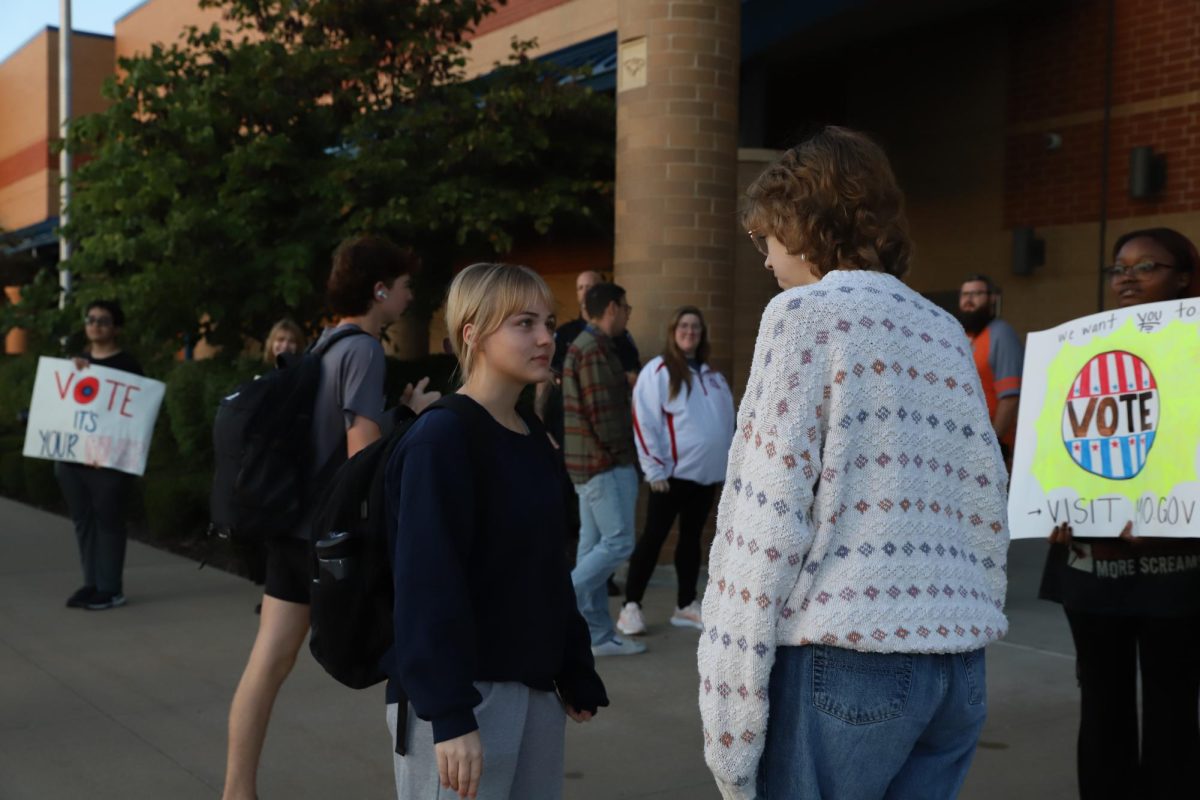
column 999, row 356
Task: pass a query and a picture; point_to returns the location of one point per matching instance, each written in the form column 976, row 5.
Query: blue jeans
column 858, row 726
column 606, row 520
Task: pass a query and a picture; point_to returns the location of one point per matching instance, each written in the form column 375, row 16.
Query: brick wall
column 1057, row 85
column 677, row 167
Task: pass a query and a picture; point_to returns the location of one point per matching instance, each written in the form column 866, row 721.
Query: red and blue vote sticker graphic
column 86, row 390
column 1111, row 415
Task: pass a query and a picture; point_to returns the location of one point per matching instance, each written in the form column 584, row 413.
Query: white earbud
column 381, row 294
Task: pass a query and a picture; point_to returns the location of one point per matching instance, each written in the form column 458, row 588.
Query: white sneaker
column 688, row 617
column 618, row 647
column 630, row 622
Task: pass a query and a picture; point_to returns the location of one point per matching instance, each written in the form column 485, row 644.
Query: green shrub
column 41, row 487
column 194, row 388
column 16, row 389
column 176, row 503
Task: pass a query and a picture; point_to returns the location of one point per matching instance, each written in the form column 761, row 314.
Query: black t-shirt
column 1151, row 577
column 120, row 360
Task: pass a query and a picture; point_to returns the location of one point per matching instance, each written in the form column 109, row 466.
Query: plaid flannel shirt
column 597, row 408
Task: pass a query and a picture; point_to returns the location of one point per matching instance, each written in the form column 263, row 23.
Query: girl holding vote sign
column 96, row 495
column 1124, row 610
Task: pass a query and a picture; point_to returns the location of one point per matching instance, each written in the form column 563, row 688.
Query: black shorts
column 289, row 570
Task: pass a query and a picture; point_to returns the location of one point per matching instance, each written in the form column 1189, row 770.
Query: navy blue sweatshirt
column 482, row 591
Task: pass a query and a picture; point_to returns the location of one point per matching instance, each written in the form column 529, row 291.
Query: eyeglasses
column 1138, row 270
column 759, row 241
column 99, row 322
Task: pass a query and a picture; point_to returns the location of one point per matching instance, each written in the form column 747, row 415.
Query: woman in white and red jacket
column 683, row 423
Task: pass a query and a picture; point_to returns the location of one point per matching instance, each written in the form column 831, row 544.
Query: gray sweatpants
column 522, row 731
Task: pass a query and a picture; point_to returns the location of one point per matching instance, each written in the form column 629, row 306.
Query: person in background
column 623, row 344
column 999, row 356
column 551, row 403
column 598, row 448
column 858, row 569
column 285, row 337
column 486, row 697
column 683, row 425
column 97, row 496
column 368, row 289
column 1126, row 614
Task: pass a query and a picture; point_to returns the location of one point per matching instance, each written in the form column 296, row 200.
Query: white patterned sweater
column 864, row 505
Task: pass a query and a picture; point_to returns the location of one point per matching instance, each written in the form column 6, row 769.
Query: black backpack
column 261, row 439
column 351, row 592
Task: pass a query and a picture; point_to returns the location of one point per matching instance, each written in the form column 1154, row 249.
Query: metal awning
column 31, row 237
column 596, row 56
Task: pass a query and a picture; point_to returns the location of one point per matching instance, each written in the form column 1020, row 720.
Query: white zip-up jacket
column 685, row 437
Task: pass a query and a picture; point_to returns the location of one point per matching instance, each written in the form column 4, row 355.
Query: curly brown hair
column 835, row 199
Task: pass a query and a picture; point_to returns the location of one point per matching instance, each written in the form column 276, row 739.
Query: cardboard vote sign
column 1109, row 426
column 97, row 416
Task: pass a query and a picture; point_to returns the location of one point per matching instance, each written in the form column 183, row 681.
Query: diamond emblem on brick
column 866, row 549
column 842, row 551
column 854, row 637
column 878, row 635
column 894, row 592
column 843, row 325
column 847, row 594
column 871, row 592
column 823, row 598
column 913, row 592
column 908, row 549
column 859, row 369
column 923, row 632
column 889, row 548
column 726, row 739
column 901, row 632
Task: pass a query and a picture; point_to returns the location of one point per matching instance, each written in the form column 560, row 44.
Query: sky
column 24, row 18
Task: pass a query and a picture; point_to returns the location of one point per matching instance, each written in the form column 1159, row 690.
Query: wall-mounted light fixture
column 1147, row 172
column 1028, row 251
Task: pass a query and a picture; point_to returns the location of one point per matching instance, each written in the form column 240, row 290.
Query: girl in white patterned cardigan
column 859, row 564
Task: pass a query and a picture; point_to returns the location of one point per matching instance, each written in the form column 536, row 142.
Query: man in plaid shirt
column 598, row 446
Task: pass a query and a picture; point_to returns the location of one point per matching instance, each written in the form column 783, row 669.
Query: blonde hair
column 484, row 295
column 284, row 326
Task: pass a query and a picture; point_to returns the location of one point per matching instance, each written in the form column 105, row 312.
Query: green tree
column 231, row 163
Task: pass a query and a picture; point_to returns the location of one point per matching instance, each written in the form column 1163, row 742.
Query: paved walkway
column 131, row 703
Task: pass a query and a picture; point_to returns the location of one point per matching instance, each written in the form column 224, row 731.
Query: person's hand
column 660, row 486
column 460, row 763
column 1061, row 534
column 1127, row 532
column 80, row 363
column 553, row 442
column 578, row 716
column 416, row 398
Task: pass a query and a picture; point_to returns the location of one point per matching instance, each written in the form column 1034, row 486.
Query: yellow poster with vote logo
column 1109, row 425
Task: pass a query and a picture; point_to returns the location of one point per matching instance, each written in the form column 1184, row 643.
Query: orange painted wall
column 29, row 95
column 159, row 21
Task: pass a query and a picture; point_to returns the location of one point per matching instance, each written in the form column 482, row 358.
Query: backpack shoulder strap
column 319, row 348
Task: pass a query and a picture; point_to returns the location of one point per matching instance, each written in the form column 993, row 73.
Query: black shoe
column 613, row 589
column 104, row 600
column 81, row 597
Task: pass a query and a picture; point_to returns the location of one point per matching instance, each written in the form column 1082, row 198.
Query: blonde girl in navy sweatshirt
column 478, row 545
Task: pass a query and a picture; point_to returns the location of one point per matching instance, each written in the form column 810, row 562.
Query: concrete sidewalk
column 132, row 703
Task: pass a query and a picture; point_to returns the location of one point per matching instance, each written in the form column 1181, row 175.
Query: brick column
column 677, row 112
